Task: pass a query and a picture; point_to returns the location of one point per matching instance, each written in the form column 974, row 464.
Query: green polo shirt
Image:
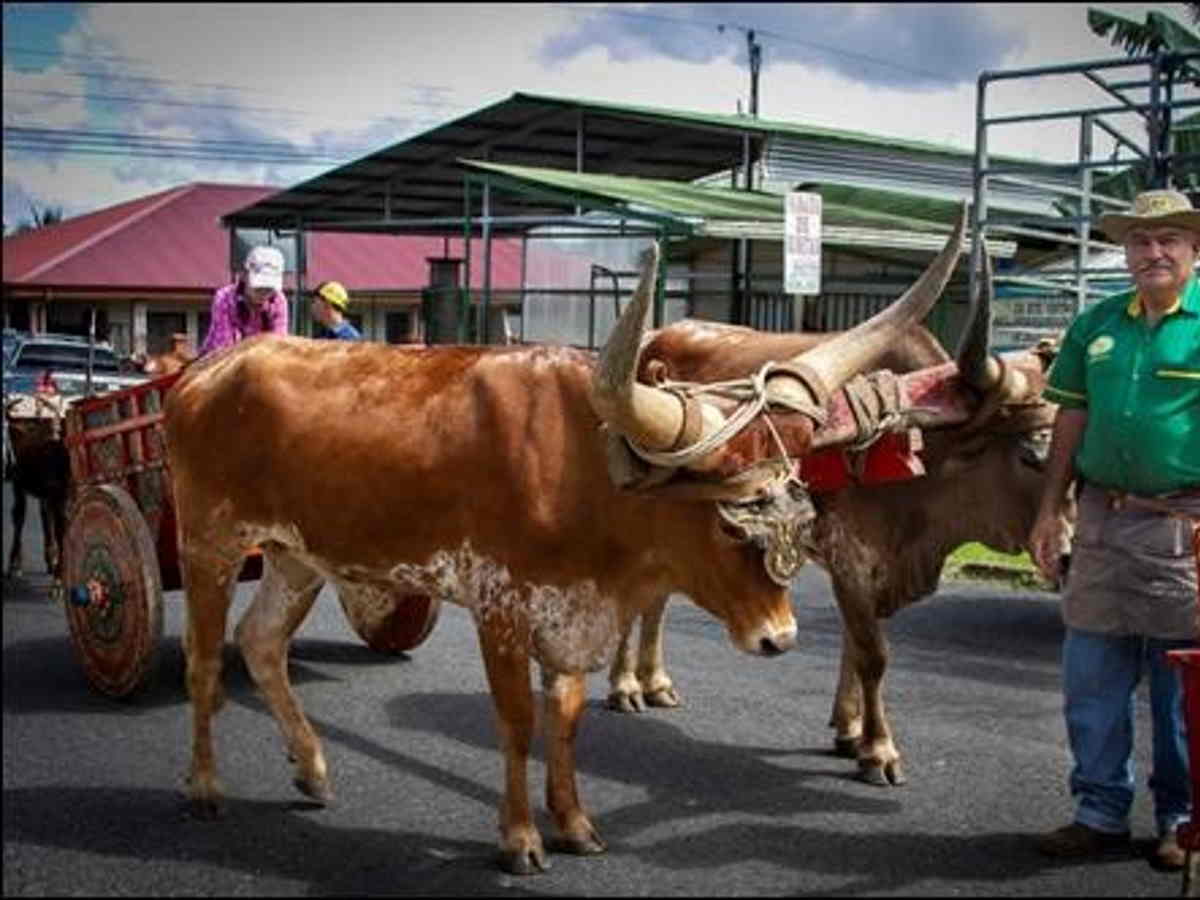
column 1141, row 388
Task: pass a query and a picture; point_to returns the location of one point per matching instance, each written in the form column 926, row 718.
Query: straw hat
column 1153, row 209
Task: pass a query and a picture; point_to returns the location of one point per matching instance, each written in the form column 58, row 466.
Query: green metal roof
column 766, row 127
column 843, row 206
column 675, row 199
column 420, row 180
column 850, row 216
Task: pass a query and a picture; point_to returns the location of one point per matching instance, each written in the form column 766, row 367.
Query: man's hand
column 1046, row 544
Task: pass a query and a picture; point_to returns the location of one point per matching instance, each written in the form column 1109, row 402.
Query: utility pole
column 754, row 51
column 741, row 260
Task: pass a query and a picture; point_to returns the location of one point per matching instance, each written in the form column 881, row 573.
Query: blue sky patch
column 32, row 32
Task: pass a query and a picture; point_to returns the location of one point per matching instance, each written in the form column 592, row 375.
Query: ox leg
column 504, row 643
column 846, row 718
column 635, row 682
column 50, row 548
column 16, row 554
column 656, row 684
column 624, row 690
column 283, row 599
column 210, row 582
column 565, row 698
column 865, row 644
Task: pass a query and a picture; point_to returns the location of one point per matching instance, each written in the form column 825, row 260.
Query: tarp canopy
column 851, row 216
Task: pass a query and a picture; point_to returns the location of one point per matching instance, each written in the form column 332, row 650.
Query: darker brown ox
column 884, row 546
column 39, row 468
column 476, row 475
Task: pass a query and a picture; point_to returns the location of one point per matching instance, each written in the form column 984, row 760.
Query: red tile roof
column 173, row 240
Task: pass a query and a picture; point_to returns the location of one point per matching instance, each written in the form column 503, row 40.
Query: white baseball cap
column 264, row 268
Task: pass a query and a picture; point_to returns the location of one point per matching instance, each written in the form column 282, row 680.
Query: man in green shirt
column 1127, row 381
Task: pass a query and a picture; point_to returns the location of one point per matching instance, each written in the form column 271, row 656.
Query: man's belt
column 1118, row 499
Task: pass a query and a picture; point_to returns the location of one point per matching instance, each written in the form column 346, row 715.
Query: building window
column 203, row 320
column 399, row 327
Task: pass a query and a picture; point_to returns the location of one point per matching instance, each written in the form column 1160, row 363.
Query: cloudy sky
column 104, row 102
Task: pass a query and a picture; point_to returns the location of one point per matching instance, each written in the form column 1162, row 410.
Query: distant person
column 329, row 303
column 253, row 304
column 178, row 357
column 1127, row 384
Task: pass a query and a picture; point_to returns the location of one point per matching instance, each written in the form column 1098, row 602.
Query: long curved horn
column 839, row 359
column 975, row 366
column 649, row 417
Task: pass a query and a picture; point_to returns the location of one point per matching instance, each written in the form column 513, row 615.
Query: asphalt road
column 735, row 793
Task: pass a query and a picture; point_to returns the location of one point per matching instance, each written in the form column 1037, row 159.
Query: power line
column 29, row 51
column 708, row 23
column 75, row 141
column 67, row 95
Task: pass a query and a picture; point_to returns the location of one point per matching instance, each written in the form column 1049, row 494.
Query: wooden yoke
column 936, row 397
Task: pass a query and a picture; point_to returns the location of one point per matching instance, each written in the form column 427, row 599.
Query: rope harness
column 751, row 396
column 778, row 514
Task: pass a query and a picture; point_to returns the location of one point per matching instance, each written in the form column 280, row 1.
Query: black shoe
column 1077, row 841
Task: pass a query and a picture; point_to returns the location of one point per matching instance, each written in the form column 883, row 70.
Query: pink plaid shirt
column 233, row 319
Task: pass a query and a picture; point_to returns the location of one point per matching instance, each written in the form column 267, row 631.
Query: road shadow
column 263, row 840
column 44, row 675
column 874, row 861
column 680, row 775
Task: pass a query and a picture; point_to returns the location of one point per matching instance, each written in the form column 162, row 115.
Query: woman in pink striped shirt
column 252, row 304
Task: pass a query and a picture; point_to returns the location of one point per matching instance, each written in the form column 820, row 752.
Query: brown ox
column 480, row 476
column 883, row 545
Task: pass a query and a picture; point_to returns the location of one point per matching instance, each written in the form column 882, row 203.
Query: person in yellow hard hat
column 329, row 303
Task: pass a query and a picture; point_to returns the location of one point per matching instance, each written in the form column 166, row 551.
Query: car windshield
column 65, row 356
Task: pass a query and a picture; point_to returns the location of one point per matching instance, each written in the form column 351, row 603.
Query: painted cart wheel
column 112, row 590
column 390, row 623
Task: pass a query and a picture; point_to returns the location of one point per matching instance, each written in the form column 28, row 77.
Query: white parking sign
column 802, row 243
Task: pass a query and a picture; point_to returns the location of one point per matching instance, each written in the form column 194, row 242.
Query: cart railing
column 118, row 438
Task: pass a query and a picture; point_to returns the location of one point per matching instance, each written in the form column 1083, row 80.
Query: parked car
column 12, row 337
column 65, row 359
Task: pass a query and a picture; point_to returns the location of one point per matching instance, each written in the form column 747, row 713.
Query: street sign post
column 802, row 243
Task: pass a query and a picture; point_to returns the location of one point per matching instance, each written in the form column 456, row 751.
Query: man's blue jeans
column 1100, row 675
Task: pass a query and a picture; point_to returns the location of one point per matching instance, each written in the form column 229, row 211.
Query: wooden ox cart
column 120, row 551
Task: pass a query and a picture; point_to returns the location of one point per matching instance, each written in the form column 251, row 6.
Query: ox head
column 763, row 514
column 1007, row 440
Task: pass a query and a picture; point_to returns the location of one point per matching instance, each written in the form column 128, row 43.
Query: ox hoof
column 530, row 861
column 621, row 701
column 845, row 747
column 665, row 698
column 584, row 845
column 881, row 776
column 318, row 789
column 207, row 807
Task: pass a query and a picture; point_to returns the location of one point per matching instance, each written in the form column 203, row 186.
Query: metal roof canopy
column 851, row 216
column 417, row 185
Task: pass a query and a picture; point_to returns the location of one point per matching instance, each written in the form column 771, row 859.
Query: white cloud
column 348, row 78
